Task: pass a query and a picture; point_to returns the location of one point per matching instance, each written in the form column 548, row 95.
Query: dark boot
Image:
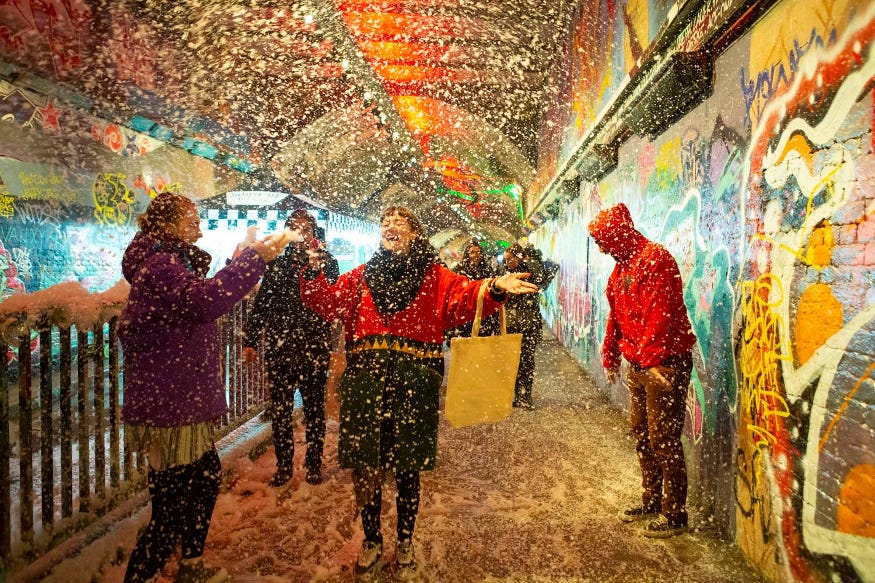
column 281, row 477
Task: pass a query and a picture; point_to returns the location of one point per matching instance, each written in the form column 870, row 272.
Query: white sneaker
column 405, row 561
column 197, row 572
column 662, row 527
column 404, row 554
column 371, row 558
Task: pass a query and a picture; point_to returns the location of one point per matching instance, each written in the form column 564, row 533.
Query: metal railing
column 63, row 457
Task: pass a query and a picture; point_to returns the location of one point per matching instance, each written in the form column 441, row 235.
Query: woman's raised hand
column 271, row 246
column 514, row 283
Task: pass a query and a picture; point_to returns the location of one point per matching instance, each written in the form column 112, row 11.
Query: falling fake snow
column 532, row 498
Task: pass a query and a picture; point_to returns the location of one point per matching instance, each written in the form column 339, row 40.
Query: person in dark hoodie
column 173, row 391
column 297, row 350
column 648, row 325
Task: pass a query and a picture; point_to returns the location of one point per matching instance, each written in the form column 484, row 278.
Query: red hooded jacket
column 648, row 320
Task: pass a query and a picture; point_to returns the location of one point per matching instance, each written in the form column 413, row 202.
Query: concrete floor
column 531, row 498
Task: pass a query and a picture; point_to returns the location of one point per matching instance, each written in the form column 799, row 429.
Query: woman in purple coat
column 173, row 392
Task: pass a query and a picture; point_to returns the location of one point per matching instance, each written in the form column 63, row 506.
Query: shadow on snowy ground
column 533, row 498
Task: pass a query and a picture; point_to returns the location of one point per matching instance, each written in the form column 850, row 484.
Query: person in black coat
column 297, row 351
column 524, row 316
column 475, row 265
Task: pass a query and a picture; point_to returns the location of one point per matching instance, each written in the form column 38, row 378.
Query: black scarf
column 294, row 254
column 195, row 259
column 394, row 278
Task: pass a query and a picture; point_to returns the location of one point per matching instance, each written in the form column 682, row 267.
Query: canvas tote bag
column 482, row 373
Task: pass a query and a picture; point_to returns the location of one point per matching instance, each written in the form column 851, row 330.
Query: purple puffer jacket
column 168, row 330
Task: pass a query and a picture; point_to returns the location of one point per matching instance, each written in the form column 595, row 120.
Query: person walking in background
column 395, row 309
column 475, row 265
column 173, row 391
column 297, row 350
column 649, row 327
column 524, row 317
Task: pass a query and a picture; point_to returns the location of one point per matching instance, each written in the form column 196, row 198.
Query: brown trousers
column 657, row 424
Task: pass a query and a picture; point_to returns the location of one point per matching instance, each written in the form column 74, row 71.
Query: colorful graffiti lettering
column 762, row 349
column 760, row 88
column 48, row 29
column 123, row 141
column 806, row 322
column 46, row 186
column 7, row 202
column 10, row 284
column 155, row 186
column 113, row 200
column 134, row 54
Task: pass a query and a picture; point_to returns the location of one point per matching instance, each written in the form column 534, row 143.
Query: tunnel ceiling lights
column 512, row 190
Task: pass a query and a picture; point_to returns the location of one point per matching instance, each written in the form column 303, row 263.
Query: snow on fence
column 63, row 457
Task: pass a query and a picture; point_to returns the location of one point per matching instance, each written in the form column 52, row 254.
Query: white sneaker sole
column 627, row 518
column 370, row 574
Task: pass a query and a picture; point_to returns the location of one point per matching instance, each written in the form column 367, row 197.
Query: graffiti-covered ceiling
column 354, row 104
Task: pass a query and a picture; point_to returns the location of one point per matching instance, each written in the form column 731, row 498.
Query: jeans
column 526, row 373
column 657, row 424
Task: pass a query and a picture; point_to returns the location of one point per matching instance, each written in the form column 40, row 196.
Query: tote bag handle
column 475, row 329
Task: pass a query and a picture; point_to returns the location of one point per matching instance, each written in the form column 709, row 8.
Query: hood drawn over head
column 615, row 232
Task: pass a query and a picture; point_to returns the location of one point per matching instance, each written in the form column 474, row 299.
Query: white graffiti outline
column 824, row 360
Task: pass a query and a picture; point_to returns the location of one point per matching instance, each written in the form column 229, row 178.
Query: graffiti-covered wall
column 607, row 42
column 765, row 195
column 71, row 186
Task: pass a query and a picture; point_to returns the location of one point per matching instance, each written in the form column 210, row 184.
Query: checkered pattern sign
column 266, row 220
column 270, row 220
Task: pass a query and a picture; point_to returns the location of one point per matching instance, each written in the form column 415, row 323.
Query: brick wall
column 765, row 195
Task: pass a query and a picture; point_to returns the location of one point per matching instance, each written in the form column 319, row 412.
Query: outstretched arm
column 514, row 283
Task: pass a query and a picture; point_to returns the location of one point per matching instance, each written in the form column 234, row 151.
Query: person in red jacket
column 649, row 327
column 395, row 309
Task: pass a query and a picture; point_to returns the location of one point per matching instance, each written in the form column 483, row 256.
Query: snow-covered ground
column 532, row 498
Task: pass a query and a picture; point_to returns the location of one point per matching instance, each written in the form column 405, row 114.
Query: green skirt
column 389, row 409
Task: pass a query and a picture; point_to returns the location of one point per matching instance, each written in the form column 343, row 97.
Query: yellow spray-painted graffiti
column 7, row 205
column 7, row 201
column 762, row 350
column 38, row 186
column 113, row 200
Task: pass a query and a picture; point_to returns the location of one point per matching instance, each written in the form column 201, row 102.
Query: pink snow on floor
column 532, row 498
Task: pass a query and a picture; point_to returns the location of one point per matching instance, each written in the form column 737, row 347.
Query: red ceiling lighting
column 374, row 25
column 412, row 53
column 428, row 116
